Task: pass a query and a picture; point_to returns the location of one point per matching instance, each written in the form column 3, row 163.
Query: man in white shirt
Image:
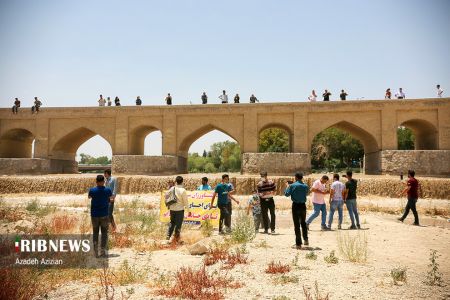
column 224, row 97
column 318, row 199
column 440, row 91
column 177, row 209
column 400, row 94
column 101, row 101
column 336, row 200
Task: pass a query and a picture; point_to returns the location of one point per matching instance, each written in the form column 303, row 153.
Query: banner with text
column 199, row 203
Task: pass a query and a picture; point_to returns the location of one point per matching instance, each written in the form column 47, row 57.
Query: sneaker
column 416, row 224
column 400, row 219
column 228, row 230
column 266, row 232
column 306, row 242
column 323, row 227
column 359, row 226
column 352, row 227
column 339, row 227
column 298, row 247
column 273, row 232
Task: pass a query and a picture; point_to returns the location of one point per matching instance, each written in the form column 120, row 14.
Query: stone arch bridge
column 58, row 132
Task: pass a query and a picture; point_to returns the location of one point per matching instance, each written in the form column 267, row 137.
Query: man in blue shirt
column 221, row 191
column 205, row 186
column 298, row 191
column 100, row 197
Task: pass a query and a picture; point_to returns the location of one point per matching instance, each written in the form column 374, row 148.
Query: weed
column 244, row 230
column 197, row 284
column 216, row 253
column 234, row 258
column 60, row 224
column 20, row 283
column 331, row 258
column 434, row 277
column 317, row 295
column 285, row 279
column 281, row 298
column 207, row 228
column 262, row 244
column 311, row 255
column 398, row 274
column 106, row 282
column 277, row 268
column 122, row 240
column 295, row 260
column 354, row 248
column 33, row 206
column 128, row 274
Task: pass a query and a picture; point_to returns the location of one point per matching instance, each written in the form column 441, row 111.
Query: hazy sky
column 69, row 52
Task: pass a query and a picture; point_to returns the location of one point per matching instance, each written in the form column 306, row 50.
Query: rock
column 198, row 248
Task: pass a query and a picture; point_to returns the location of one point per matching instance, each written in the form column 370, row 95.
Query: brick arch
column 137, row 138
column 16, row 143
column 425, row 133
column 282, row 126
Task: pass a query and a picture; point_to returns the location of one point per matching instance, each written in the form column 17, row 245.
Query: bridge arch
column 425, row 133
column 16, row 143
column 137, row 138
column 287, row 129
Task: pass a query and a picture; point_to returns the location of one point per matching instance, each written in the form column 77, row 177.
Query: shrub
column 331, row 259
column 398, row 274
column 317, row 295
column 434, row 277
column 20, row 283
column 277, row 268
column 207, row 228
column 311, row 255
column 33, row 206
column 285, row 279
column 354, row 248
column 128, row 274
column 235, row 258
column 244, row 229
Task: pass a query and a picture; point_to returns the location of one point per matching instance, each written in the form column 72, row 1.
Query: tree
column 274, row 140
column 224, row 157
column 86, row 159
column 405, row 138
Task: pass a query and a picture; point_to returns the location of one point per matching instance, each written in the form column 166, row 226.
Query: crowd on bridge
column 262, row 202
column 400, row 94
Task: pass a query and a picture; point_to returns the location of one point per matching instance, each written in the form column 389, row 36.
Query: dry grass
column 197, row 284
column 128, row 274
column 57, row 225
column 235, row 258
column 21, row 283
column 277, row 268
column 216, row 253
column 354, row 248
column 285, row 279
column 316, row 296
column 398, row 275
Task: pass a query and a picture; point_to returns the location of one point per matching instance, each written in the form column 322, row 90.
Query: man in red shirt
column 412, row 190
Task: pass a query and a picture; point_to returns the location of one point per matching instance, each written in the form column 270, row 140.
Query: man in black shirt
column 343, row 95
column 236, row 98
column 138, row 101
column 350, row 200
column 169, row 99
column 253, row 99
column 204, row 98
column 326, row 95
column 15, row 108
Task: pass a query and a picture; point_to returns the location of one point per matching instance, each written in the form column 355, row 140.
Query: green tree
column 90, row 160
column 405, row 138
column 274, row 140
column 223, row 157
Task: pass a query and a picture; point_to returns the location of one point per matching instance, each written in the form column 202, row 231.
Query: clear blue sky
column 69, row 52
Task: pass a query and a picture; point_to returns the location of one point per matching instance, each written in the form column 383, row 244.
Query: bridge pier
column 275, row 163
column 423, row 162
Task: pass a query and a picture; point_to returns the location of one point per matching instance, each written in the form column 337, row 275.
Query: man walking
column 221, row 191
column 412, row 190
column 204, row 98
column 318, row 199
column 177, row 209
column 336, row 200
column 205, row 186
column 100, row 196
column 350, row 200
column 224, row 97
column 111, row 183
column 266, row 189
column 298, row 191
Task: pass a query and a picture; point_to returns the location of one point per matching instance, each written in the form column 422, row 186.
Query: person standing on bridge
column 109, row 101
column 169, row 99
column 400, row 94
column 138, row 101
column 326, row 95
column 204, row 98
column 412, row 190
column 313, row 96
column 388, row 94
column 111, row 182
column 343, row 95
column 253, row 99
column 15, row 108
column 440, row 91
column 117, row 101
column 266, row 190
column 237, row 98
column 101, row 101
column 36, row 106
column 224, row 97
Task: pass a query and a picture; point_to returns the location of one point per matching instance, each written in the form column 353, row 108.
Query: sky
column 69, row 52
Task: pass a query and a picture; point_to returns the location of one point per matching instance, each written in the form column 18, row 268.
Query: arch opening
column 17, row 143
column 345, row 146
column 275, row 138
column 145, row 140
column 424, row 135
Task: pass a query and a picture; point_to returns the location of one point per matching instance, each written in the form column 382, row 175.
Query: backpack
column 171, row 198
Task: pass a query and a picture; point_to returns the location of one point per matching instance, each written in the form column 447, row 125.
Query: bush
column 331, row 259
column 317, row 295
column 207, row 228
column 311, row 255
column 285, row 279
column 398, row 274
column 434, row 277
column 277, row 268
column 128, row 274
column 354, row 248
column 244, row 229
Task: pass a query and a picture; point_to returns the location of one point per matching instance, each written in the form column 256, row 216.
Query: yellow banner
column 199, row 203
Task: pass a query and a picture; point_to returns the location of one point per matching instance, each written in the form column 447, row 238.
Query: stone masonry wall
column 144, row 165
column 423, row 162
column 275, row 163
column 24, row 166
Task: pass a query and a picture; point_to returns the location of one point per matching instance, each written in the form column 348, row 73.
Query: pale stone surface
column 423, row 162
column 275, row 163
column 144, row 165
column 198, row 248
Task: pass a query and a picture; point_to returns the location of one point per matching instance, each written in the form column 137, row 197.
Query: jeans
column 317, row 209
column 176, row 220
column 335, row 205
column 257, row 218
column 102, row 224
column 411, row 204
column 352, row 211
column 299, row 217
column 266, row 205
column 225, row 215
column 110, row 212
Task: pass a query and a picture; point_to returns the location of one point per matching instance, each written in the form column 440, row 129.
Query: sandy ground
column 390, row 244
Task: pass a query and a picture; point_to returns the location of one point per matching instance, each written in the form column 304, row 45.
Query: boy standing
column 255, row 204
column 336, row 200
column 318, row 199
column 221, row 191
column 350, row 200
